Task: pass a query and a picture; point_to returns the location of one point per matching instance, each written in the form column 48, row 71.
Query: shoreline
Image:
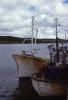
column 19, row 40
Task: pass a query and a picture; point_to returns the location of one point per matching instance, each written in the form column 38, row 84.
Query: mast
column 65, row 39
column 57, row 47
column 36, row 37
column 35, row 40
column 32, row 35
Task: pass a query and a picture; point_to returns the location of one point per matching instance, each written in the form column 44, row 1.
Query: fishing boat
column 47, row 87
column 29, row 63
column 53, row 79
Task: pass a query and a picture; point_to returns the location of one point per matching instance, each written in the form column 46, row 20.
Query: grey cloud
column 6, row 29
column 15, row 15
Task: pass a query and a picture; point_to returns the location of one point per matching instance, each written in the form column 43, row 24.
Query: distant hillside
column 10, row 39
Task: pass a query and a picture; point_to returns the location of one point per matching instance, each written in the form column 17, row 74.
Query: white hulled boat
column 47, row 87
column 28, row 64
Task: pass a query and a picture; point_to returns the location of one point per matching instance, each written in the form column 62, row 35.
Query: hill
column 12, row 40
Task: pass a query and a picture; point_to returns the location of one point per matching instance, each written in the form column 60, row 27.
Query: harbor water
column 8, row 71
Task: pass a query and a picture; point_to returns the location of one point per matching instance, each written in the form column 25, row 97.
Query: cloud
column 15, row 16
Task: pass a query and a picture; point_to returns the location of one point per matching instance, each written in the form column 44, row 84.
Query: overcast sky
column 15, row 17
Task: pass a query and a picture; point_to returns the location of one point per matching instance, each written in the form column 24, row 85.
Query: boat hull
column 48, row 88
column 27, row 64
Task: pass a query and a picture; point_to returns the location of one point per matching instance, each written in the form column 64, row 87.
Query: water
column 8, row 71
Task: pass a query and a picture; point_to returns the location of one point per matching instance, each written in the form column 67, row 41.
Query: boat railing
column 39, row 78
